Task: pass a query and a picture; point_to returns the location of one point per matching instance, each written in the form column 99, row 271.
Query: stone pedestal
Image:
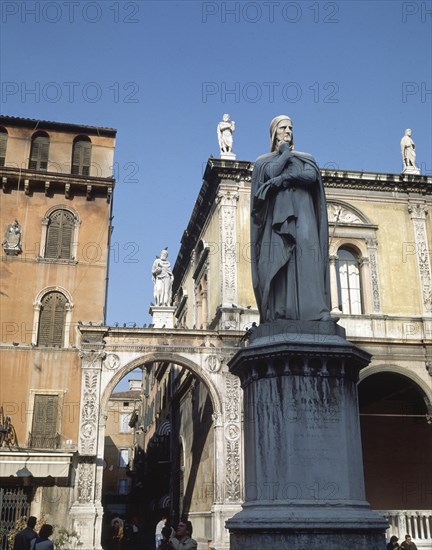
column 162, row 316
column 414, row 170
column 228, row 156
column 304, row 485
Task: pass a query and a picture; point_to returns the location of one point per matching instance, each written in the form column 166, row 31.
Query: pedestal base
column 162, row 316
column 304, row 486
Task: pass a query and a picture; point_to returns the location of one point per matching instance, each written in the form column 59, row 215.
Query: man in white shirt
column 158, row 531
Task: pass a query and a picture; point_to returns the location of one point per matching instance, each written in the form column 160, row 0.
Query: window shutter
column 39, row 153
column 3, row 143
column 60, row 235
column 81, row 157
column 52, row 320
column 45, row 416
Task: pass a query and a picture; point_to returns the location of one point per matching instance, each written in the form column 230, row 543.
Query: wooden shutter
column 3, row 143
column 52, row 320
column 60, row 235
column 81, row 158
column 39, row 153
column 44, row 424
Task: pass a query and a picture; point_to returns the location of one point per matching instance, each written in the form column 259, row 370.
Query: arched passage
column 174, row 393
column 218, row 400
column 396, row 439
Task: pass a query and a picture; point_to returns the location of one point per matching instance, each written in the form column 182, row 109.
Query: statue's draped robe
column 289, row 238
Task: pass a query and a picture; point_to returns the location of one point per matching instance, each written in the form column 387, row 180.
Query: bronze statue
column 289, row 232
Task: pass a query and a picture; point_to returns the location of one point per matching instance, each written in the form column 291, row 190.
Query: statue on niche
column 289, row 232
column 162, row 279
column 225, row 132
column 408, row 154
column 12, row 239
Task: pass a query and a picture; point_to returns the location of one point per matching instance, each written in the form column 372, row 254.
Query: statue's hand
column 284, row 147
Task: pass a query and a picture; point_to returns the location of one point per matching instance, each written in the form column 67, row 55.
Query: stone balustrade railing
column 417, row 523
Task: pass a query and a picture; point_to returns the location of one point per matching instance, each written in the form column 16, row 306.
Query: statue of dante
column 162, row 279
column 225, row 131
column 289, row 232
column 408, row 152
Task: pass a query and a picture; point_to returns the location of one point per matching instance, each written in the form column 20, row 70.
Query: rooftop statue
column 289, row 232
column 408, row 154
column 225, row 130
column 162, row 279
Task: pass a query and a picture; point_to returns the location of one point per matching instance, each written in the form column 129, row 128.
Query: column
column 86, row 511
column 418, row 213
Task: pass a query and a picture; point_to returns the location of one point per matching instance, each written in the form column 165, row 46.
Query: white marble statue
column 408, row 154
column 162, row 279
column 225, row 131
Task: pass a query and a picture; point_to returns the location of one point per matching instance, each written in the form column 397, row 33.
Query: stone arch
column 168, row 357
column 407, row 373
column 395, row 419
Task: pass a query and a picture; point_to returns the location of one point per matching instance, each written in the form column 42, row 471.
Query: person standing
column 181, row 538
column 408, row 544
column 42, row 542
column 23, row 538
column 158, row 531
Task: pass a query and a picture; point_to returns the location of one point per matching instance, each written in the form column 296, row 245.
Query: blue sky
column 352, row 75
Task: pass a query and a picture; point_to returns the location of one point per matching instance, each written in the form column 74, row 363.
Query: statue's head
column 164, row 254
column 226, row 118
column 408, row 132
column 280, row 131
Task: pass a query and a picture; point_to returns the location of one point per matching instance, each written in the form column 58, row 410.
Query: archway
column 218, row 401
column 396, row 439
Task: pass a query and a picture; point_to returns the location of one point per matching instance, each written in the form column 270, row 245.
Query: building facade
column 55, row 209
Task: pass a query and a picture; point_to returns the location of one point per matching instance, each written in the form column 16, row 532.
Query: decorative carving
column 92, row 359
column 418, row 213
column 227, row 221
column 428, row 365
column 340, row 214
column 12, row 239
column 213, row 363
column 232, row 435
column 233, row 472
column 89, row 413
column 372, row 245
column 85, row 481
column 112, row 361
column 162, row 280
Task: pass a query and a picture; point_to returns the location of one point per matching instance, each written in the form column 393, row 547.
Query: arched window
column 81, row 156
column 349, row 289
column 3, row 144
column 52, row 319
column 60, row 232
column 39, row 151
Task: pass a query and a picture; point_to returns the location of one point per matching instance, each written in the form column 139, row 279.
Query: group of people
column 180, row 538
column 29, row 539
column 407, row 544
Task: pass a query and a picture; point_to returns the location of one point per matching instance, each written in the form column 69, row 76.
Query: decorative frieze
column 86, row 473
column 227, row 199
column 418, row 213
column 90, row 390
column 372, row 248
column 232, row 418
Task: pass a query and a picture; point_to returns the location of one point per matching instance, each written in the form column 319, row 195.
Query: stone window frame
column 360, row 235
column 44, row 234
column 37, row 305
